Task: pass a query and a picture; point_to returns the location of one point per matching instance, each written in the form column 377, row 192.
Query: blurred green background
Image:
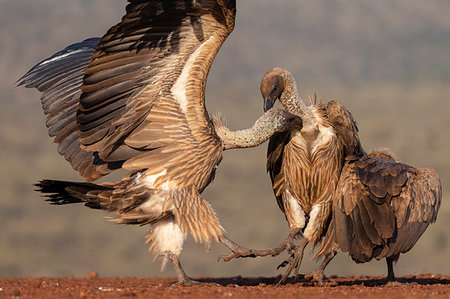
column 387, row 61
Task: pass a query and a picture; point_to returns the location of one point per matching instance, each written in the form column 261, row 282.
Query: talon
column 282, row 265
column 286, row 262
column 294, row 261
column 241, row 253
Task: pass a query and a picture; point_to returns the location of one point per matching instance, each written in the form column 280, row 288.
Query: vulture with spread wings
column 134, row 100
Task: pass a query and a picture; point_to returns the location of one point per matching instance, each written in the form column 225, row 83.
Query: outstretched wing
column 59, row 78
column 142, row 101
column 382, row 207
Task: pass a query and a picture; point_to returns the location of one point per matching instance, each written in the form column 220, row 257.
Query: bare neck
column 293, row 103
column 271, row 122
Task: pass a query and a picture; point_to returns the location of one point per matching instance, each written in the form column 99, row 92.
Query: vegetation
column 386, row 61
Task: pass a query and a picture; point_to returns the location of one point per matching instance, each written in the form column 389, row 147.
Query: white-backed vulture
column 305, row 163
column 134, row 99
column 381, row 207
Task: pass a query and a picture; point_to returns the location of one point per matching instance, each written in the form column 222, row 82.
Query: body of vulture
column 304, row 164
column 134, row 100
column 381, row 207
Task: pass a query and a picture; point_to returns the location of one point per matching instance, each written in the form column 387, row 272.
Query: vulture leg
column 391, row 280
column 390, row 265
column 238, row 251
column 317, row 275
column 183, row 279
column 287, row 244
column 294, row 262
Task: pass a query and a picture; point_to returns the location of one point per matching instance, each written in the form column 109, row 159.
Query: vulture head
column 278, row 84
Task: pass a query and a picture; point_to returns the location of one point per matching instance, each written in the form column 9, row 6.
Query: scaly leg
column 391, row 279
column 391, row 276
column 294, row 262
column 317, row 275
column 183, row 279
column 238, row 251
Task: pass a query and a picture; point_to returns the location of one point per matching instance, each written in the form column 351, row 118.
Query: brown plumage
column 134, row 99
column 305, row 164
column 381, row 207
column 370, row 206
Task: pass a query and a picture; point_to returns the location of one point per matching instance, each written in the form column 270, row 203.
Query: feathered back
column 382, row 207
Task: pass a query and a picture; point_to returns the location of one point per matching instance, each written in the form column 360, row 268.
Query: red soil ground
column 421, row 286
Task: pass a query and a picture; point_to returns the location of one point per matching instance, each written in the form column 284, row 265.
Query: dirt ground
column 421, row 286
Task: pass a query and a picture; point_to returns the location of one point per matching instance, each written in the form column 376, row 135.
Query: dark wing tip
column 31, row 78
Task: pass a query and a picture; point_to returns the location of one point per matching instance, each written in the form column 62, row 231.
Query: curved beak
column 268, row 103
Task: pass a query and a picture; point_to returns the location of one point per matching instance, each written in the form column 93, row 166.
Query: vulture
column 134, row 100
column 329, row 189
column 381, row 207
column 305, row 163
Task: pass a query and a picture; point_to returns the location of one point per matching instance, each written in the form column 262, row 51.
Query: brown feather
column 296, row 160
column 392, row 226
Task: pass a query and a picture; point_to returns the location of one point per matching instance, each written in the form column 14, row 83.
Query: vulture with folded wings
column 134, row 100
column 305, row 163
column 381, row 207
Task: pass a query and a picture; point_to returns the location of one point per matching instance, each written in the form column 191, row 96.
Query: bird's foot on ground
column 188, row 282
column 293, row 262
column 396, row 283
column 315, row 276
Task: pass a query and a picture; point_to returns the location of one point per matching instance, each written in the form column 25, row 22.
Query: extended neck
column 292, row 102
column 290, row 99
column 271, row 122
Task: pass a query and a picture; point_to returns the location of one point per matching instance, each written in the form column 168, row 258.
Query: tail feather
column 63, row 192
column 131, row 203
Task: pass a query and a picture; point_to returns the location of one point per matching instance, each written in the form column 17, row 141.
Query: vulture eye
column 275, row 90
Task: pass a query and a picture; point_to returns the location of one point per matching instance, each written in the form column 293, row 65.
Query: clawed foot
column 237, row 253
column 315, row 276
column 396, row 283
column 293, row 262
column 188, row 282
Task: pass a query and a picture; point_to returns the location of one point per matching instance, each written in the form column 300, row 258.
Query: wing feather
column 382, row 207
column 143, row 93
column 59, row 78
column 138, row 91
column 275, row 153
column 345, row 127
